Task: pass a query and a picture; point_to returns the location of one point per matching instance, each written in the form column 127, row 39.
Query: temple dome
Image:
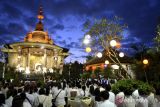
column 38, row 36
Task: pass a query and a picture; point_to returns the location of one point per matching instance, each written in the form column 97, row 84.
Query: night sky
column 64, row 20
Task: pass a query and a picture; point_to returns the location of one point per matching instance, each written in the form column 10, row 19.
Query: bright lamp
column 113, row 43
column 99, row 54
column 121, row 54
column 88, row 49
column 106, row 62
column 145, row 61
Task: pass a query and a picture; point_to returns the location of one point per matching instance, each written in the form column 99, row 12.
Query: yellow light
column 99, row 54
column 19, row 57
column 113, row 43
column 40, row 17
column 88, row 49
column 106, row 62
column 145, row 61
column 121, row 54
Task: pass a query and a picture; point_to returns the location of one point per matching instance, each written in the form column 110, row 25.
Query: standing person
column 4, row 89
column 28, row 95
column 142, row 101
column 151, row 99
column 2, row 101
column 105, row 101
column 10, row 95
column 42, row 97
column 53, row 87
column 97, row 94
column 48, row 101
column 84, row 92
column 111, row 94
column 97, row 97
column 92, row 95
column 60, row 96
column 91, row 92
column 21, row 101
column 120, row 97
column 35, row 94
column 129, row 101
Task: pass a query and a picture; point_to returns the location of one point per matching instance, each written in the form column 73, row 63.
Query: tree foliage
column 152, row 69
column 74, row 69
column 102, row 32
column 157, row 38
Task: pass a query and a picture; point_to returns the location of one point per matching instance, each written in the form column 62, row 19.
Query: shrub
column 128, row 86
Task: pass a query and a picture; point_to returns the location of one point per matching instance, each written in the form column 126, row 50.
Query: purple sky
column 64, row 20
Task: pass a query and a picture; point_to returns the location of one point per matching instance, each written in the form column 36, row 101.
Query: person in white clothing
column 60, row 96
column 151, row 99
column 111, row 94
column 73, row 91
column 21, row 101
column 105, row 102
column 10, row 95
column 119, row 99
column 54, row 87
column 4, row 89
column 142, row 101
column 35, row 94
column 28, row 95
column 129, row 101
column 135, row 94
column 84, row 92
column 45, row 99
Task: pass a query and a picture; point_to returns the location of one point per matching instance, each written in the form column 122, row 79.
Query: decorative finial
column 40, row 14
column 39, row 26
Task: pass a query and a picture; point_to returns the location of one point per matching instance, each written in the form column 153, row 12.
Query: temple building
column 104, row 61
column 37, row 53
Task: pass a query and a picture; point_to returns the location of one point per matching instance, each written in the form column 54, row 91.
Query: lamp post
column 145, row 62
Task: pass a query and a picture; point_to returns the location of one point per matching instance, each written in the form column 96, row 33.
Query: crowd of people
column 57, row 93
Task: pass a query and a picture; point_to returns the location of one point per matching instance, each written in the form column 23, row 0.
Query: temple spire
column 39, row 26
column 40, row 14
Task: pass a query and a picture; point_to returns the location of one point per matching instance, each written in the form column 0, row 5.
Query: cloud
column 3, row 30
column 16, row 29
column 11, row 11
column 58, row 27
column 19, row 16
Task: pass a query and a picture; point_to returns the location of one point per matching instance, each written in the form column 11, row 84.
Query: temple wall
column 49, row 63
column 13, row 59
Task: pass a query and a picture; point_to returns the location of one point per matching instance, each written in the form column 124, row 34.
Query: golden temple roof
column 39, row 35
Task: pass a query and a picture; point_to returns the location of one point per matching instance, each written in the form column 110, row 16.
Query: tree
column 157, row 38
column 152, row 69
column 102, row 32
column 140, row 51
column 72, row 70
